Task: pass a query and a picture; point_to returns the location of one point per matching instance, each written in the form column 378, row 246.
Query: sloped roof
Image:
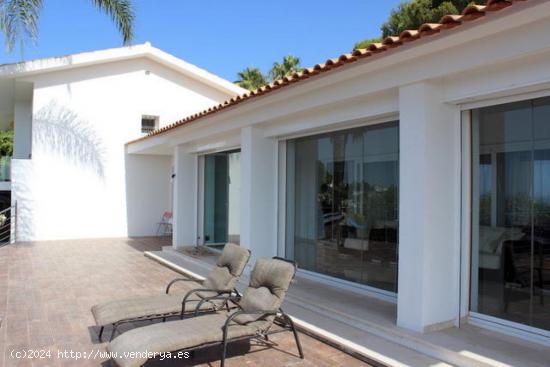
column 51, row 64
column 446, row 24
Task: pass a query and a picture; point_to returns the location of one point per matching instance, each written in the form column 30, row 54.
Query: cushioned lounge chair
column 212, row 294
column 258, row 309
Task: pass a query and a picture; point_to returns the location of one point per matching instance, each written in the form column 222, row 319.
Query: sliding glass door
column 222, row 198
column 342, row 204
column 511, row 212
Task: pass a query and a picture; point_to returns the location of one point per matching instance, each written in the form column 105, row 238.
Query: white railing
column 8, row 222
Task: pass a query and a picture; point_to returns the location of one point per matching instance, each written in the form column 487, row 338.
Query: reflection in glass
column 511, row 212
column 342, row 204
column 222, row 198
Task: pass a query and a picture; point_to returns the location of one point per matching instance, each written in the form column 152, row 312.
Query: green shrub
column 6, row 143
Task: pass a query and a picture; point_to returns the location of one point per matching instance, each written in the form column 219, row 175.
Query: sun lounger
column 209, row 295
column 258, row 310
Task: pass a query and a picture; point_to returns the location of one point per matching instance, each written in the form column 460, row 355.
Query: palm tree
column 251, row 79
column 289, row 66
column 19, row 18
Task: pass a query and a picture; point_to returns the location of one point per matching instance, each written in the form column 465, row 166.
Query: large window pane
column 342, row 204
column 511, row 201
column 215, row 198
column 540, row 316
column 222, row 190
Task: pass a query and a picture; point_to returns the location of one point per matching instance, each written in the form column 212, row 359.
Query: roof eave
column 54, row 64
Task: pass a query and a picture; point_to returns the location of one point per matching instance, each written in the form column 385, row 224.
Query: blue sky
column 221, row 36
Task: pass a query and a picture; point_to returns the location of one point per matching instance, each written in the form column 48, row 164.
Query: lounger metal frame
column 281, row 319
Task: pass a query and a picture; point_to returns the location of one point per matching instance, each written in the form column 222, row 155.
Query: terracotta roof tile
column 409, row 35
column 447, row 22
column 429, row 28
column 450, row 21
column 493, row 5
column 392, row 41
column 376, row 47
column 473, row 11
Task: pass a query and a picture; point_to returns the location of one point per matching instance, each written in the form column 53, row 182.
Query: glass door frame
column 467, row 216
column 201, row 194
column 282, row 209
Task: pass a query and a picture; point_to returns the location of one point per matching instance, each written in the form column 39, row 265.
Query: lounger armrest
column 235, row 299
column 222, row 295
column 180, row 280
column 263, row 314
column 193, row 291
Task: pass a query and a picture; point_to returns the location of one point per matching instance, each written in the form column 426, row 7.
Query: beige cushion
column 174, row 335
column 269, row 282
column 131, row 308
column 229, row 268
column 218, row 278
column 234, row 257
column 256, row 299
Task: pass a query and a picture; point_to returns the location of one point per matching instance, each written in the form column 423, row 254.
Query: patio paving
column 47, row 290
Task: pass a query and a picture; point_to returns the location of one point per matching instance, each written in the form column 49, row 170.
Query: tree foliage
column 121, row 13
column 412, row 14
column 289, row 66
column 19, row 19
column 364, row 43
column 6, row 143
column 252, row 78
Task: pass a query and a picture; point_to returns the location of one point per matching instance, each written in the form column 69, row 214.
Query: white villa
column 72, row 116
column 416, row 171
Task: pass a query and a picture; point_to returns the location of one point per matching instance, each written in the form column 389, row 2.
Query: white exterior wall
column 81, row 183
column 148, row 192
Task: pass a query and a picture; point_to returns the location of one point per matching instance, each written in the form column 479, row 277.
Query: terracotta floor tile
column 48, row 288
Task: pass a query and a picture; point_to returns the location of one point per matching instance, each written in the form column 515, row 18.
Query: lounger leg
column 164, row 319
column 101, row 332
column 291, row 324
column 224, row 346
column 182, row 310
column 224, row 352
column 113, row 332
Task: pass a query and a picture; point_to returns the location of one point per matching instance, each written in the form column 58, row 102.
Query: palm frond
column 19, row 20
column 122, row 13
column 251, row 78
column 289, row 66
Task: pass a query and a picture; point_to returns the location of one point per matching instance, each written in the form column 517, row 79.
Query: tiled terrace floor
column 48, row 288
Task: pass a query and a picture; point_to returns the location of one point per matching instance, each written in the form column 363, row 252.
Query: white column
column 429, row 209
column 258, row 193
column 185, row 198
